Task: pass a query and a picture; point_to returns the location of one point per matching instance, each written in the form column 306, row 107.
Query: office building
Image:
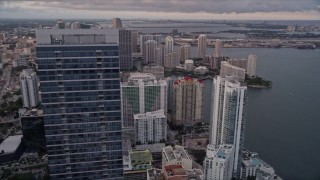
column 29, row 88
column 157, row 71
column 125, row 51
column 241, row 63
column 229, row 70
column 218, row 163
column 151, row 127
column 202, row 46
column 134, row 41
column 160, row 55
column 32, row 127
column 79, row 73
column 184, row 52
column 170, row 82
column 116, row 23
column 171, row 60
column 217, row 48
column 174, row 155
column 142, row 93
column 169, row 44
column 251, row 65
column 150, row 46
column 187, row 101
column 188, row 65
column 228, row 116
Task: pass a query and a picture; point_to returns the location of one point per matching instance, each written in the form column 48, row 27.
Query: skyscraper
column 229, row 70
column 184, row 52
column 169, row 44
column 171, row 60
column 218, row 163
column 145, row 38
column 251, row 65
column 116, row 23
column 150, row 46
column 202, row 46
column 160, row 55
column 125, row 51
column 29, row 88
column 217, row 48
column 142, row 93
column 79, row 73
column 134, row 41
column 188, row 101
column 228, row 116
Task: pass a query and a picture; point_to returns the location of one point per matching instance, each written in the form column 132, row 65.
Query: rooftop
column 32, row 112
column 154, row 114
column 152, row 147
column 175, row 152
column 221, row 151
column 140, row 157
column 10, row 144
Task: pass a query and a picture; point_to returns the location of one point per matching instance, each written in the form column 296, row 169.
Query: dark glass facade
column 80, row 90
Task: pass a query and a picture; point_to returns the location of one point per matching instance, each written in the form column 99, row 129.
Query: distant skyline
column 165, row 9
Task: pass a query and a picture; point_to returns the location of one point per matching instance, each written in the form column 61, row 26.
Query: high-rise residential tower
column 171, row 60
column 116, row 23
column 134, row 41
column 160, row 55
column 184, row 52
column 150, row 46
column 202, row 46
column 217, row 48
column 79, row 73
column 144, row 39
column 142, row 93
column 169, row 44
column 188, row 101
column 29, row 88
column 251, row 65
column 228, row 116
column 230, row 70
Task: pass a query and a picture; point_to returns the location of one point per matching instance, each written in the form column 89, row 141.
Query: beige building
column 171, row 60
column 185, row 52
column 251, row 65
column 116, row 23
column 230, row 70
column 217, row 48
column 241, row 63
column 187, row 101
column 202, row 46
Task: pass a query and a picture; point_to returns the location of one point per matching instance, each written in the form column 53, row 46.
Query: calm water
column 283, row 122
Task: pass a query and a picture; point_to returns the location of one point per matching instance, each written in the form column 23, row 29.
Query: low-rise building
column 176, row 155
column 201, row 70
column 188, row 65
column 136, row 165
column 11, row 149
column 174, row 172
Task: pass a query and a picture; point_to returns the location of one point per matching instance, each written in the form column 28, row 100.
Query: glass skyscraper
column 80, row 89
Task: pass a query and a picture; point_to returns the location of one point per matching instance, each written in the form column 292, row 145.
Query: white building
column 142, row 93
column 172, row 155
column 217, row 48
column 151, row 127
column 202, row 46
column 157, row 71
column 201, row 70
column 150, row 46
column 251, row 65
column 29, row 88
column 20, row 62
column 228, row 115
column 185, row 52
column 229, row 70
column 169, row 44
column 188, row 65
column 218, row 163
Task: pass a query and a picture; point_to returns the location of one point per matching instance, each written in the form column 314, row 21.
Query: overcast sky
column 163, row 9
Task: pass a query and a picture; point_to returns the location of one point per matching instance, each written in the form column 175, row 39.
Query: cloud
column 181, row 6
